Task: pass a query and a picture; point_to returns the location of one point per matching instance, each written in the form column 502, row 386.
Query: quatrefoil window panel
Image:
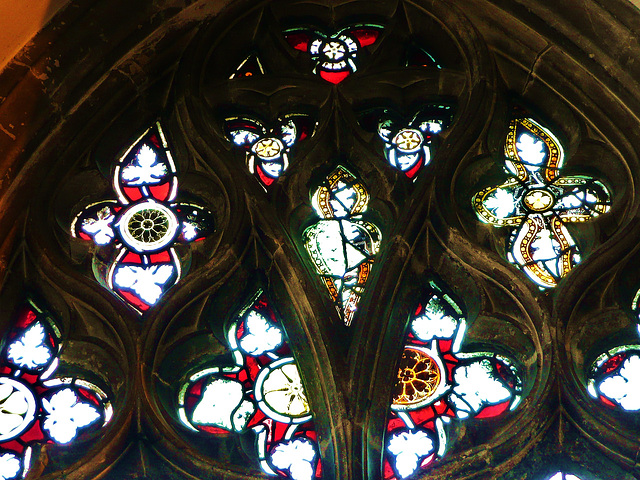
column 142, row 226
column 261, row 393
column 437, row 383
column 36, row 406
column 536, row 202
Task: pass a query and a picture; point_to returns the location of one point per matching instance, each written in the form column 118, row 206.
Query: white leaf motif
column 409, row 448
column 145, row 169
column 502, row 203
column 146, row 282
column 624, row 387
column 296, row 456
column 434, row 323
column 9, row 466
column 221, row 397
column 30, row 350
column 244, row 137
column 66, row 414
column 476, row 388
column 530, row 149
column 262, row 337
column 100, row 228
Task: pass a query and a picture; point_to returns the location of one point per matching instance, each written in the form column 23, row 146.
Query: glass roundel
column 268, row 148
column 418, row 378
column 334, row 50
column 148, row 226
column 17, row 408
column 408, row 139
column 280, row 386
column 538, row 200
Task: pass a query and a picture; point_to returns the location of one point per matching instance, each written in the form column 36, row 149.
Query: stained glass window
column 249, row 67
column 261, row 392
column 536, row 203
column 35, row 405
column 563, row 476
column 268, row 149
column 335, row 55
column 409, row 144
column 438, row 382
column 342, row 244
column 141, row 227
column 615, row 378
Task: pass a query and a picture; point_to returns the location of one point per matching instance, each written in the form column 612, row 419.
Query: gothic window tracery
column 370, row 368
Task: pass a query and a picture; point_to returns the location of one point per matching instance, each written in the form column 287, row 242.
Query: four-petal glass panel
column 536, row 202
column 144, row 223
column 437, row 382
column 34, row 407
column 262, row 392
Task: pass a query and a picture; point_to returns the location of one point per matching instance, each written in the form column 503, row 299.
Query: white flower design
column 222, row 405
column 501, row 203
column 30, row 350
column 145, row 169
column 9, row 466
column 408, row 448
column 530, row 149
column 13, row 407
column 262, row 337
column 624, row 387
column 66, row 414
column 297, row 456
column 146, row 282
column 476, row 387
column 100, row 227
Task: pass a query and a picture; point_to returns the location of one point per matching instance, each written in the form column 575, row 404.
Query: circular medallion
column 418, row 379
column 408, row 139
column 17, row 408
column 148, row 226
column 280, row 393
column 268, row 148
column 538, row 200
column 334, row 50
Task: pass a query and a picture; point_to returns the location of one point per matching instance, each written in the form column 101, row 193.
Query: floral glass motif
column 409, row 145
column 267, row 149
column 437, row 382
column 336, row 55
column 34, row 407
column 536, row 203
column 342, row 245
column 144, row 223
column 262, row 392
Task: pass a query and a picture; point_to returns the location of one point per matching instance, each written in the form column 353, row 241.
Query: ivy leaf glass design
column 261, row 392
column 335, row 55
column 437, row 382
column 34, row 407
column 267, row 149
column 536, row 202
column 144, row 223
column 342, row 245
column 614, row 378
column 410, row 144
